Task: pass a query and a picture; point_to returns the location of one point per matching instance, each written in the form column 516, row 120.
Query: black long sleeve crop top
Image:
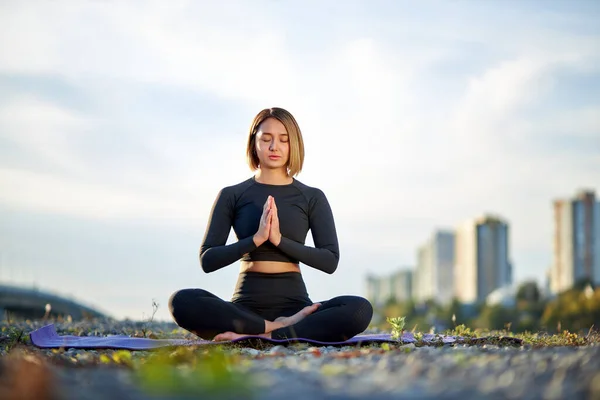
column 300, row 208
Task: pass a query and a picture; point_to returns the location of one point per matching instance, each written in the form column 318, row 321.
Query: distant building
column 434, row 274
column 422, row 275
column 396, row 287
column 481, row 258
column 576, row 241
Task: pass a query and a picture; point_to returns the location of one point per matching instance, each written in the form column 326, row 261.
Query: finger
column 264, row 216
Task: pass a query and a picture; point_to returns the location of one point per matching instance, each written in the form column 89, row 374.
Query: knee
column 177, row 303
column 358, row 312
column 363, row 312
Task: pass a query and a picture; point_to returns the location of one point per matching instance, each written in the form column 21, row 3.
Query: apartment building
column 482, row 258
column 576, row 241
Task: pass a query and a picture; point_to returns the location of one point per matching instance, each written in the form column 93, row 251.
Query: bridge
column 32, row 303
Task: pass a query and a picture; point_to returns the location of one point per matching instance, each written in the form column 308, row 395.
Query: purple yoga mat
column 47, row 337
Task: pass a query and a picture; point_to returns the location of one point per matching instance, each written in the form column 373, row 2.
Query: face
column 272, row 144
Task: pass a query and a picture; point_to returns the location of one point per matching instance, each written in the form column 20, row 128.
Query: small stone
column 594, row 389
column 506, row 379
column 250, row 351
column 85, row 358
column 279, row 349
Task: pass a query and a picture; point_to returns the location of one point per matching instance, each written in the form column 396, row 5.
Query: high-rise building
column 422, row 276
column 395, row 287
column 576, row 241
column 482, row 262
column 435, row 269
column 401, row 283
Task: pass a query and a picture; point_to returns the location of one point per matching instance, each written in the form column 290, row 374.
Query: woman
column 271, row 214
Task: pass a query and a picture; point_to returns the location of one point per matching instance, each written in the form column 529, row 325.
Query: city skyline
column 576, row 250
column 119, row 124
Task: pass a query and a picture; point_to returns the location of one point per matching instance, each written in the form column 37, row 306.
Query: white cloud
column 50, row 136
column 43, row 128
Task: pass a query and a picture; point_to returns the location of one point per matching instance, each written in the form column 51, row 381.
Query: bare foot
column 227, row 336
column 299, row 316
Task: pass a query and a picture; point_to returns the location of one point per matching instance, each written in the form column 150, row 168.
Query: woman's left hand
column 274, row 234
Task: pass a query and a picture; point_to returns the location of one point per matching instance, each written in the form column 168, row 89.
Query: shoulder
column 312, row 194
column 235, row 190
column 238, row 187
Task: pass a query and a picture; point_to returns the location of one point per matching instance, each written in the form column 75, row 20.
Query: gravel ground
column 303, row 372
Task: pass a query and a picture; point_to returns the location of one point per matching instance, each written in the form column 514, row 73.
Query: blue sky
column 120, row 121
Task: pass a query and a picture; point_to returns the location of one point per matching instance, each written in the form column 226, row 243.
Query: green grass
column 214, row 372
column 14, row 337
column 503, row 337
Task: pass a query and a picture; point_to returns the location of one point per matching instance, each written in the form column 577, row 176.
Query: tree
column 575, row 310
column 496, row 317
column 528, row 291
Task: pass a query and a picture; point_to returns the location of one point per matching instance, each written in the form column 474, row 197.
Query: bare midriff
column 269, row 267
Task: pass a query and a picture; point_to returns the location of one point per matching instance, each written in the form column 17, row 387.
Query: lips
column 274, row 157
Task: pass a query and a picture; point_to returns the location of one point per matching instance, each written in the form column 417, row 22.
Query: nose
column 273, row 145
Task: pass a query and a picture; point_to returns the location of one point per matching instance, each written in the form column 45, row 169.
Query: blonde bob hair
column 296, row 155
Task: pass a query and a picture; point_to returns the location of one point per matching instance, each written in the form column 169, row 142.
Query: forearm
column 324, row 259
column 215, row 258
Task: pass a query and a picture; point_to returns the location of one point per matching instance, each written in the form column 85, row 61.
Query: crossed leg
column 334, row 320
column 209, row 316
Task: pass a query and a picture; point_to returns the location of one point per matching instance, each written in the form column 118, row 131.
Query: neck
column 272, row 176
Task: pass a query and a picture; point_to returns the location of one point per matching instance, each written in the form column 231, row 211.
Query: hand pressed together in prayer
column 274, row 233
column 268, row 227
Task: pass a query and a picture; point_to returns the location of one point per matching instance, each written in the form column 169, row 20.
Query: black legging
column 207, row 315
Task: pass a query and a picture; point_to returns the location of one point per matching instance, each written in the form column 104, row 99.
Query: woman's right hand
column 264, row 226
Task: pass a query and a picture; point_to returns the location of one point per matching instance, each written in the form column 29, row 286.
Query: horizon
column 119, row 124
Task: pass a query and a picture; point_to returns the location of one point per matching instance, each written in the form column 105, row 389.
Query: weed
column 145, row 328
column 397, row 326
column 15, row 337
column 461, row 331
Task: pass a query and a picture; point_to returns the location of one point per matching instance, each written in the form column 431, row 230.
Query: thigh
column 207, row 315
column 202, row 301
column 198, row 294
column 340, row 301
